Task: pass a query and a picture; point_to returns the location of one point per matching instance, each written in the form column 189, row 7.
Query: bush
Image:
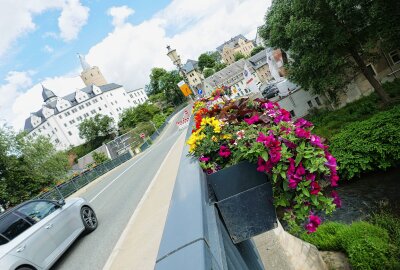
column 368, row 145
column 326, row 236
column 368, row 246
column 159, row 119
column 390, row 223
column 99, row 157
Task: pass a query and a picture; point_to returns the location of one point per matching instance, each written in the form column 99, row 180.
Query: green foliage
column 207, row 72
column 144, row 127
column 134, row 115
column 155, row 75
column 206, row 60
column 326, row 236
column 390, row 223
column 368, row 246
column 159, row 119
column 168, row 84
column 323, row 34
column 219, row 66
column 368, row 145
column 27, row 166
column 94, row 128
column 256, row 50
column 99, row 157
column 238, row 56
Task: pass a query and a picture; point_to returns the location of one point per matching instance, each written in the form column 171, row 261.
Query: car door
column 36, row 244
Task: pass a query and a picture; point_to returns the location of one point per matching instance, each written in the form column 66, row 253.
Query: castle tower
column 48, row 95
column 91, row 75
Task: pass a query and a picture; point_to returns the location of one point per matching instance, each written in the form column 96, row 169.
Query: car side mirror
column 61, row 202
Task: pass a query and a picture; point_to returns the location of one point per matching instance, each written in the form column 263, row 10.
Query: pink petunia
column 316, row 141
column 334, row 180
column 252, row 120
column 300, row 170
column 224, row 151
column 315, row 188
column 302, row 123
column 313, row 223
column 310, row 176
column 302, row 133
column 204, row 159
column 294, row 180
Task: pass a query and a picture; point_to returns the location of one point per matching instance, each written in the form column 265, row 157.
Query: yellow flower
column 194, row 139
column 214, row 139
column 227, row 136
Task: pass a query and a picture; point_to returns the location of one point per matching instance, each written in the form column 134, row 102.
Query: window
column 116, row 102
column 131, row 95
column 318, row 101
column 67, row 113
column 86, row 115
column 55, row 129
column 65, row 124
column 110, row 94
column 93, row 111
column 79, row 118
column 395, row 56
column 310, row 104
column 94, row 100
column 81, row 107
column 99, row 109
column 74, row 110
column 60, row 116
column 69, row 133
column 105, row 105
column 72, row 121
column 101, row 98
column 37, row 210
column 56, row 140
column 112, row 103
column 87, row 104
column 11, row 226
column 292, row 114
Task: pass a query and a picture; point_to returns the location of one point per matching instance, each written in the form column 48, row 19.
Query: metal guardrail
column 71, row 186
column 194, row 235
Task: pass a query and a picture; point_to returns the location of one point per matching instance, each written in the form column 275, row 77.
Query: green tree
column 219, row 66
column 207, row 72
column 256, row 50
column 238, row 56
column 27, row 166
column 155, row 75
column 206, row 60
column 134, row 115
column 169, row 85
column 99, row 127
column 329, row 40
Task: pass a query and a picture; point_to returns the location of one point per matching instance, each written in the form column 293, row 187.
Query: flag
column 249, row 80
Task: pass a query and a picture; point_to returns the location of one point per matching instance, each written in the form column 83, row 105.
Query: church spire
column 84, row 64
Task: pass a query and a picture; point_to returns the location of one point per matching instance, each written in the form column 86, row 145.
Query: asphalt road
column 114, row 199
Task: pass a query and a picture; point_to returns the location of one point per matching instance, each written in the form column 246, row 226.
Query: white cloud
column 73, row 17
column 48, row 49
column 128, row 53
column 16, row 18
column 15, row 81
column 119, row 14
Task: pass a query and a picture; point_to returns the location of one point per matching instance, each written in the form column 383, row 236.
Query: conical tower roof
column 47, row 94
column 85, row 65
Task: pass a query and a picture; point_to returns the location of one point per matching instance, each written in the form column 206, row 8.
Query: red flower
column 252, row 120
column 315, row 188
column 224, row 151
column 302, row 133
column 313, row 223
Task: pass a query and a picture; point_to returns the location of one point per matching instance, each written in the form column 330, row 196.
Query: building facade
column 91, row 75
column 193, row 74
column 260, row 65
column 238, row 44
column 233, row 77
column 60, row 117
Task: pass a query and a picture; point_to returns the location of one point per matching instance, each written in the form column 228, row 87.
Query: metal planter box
column 244, row 198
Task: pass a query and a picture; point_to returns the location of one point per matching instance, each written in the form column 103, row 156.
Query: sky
column 41, row 38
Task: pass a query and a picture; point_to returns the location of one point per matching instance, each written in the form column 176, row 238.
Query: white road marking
column 117, row 247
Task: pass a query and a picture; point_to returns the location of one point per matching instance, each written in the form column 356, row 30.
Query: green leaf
column 306, row 192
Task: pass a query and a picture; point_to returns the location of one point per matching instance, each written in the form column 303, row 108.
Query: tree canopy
column 238, row 56
column 155, row 75
column 256, row 50
column 135, row 115
column 206, row 60
column 329, row 41
column 27, row 166
column 97, row 127
column 207, row 72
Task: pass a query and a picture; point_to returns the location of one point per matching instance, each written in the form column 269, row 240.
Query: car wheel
column 89, row 219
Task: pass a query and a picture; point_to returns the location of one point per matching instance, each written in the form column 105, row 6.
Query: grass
column 369, row 245
column 328, row 123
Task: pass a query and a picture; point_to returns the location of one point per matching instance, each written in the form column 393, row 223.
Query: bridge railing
column 194, row 235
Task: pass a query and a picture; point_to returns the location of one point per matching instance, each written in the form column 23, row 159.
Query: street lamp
column 176, row 59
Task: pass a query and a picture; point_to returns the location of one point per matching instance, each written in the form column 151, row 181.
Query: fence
column 194, row 235
column 67, row 188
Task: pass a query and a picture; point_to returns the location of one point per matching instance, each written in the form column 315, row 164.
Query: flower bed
column 229, row 131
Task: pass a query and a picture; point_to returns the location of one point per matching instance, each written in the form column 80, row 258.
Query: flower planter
column 244, row 198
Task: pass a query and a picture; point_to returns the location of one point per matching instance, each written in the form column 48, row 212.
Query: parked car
column 270, row 91
column 36, row 233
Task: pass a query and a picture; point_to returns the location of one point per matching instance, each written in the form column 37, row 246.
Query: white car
column 36, row 233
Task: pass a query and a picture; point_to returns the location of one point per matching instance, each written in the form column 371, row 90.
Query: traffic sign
column 199, row 91
column 184, row 88
column 142, row 135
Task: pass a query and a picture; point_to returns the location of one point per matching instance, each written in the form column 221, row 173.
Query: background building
column 231, row 76
column 193, row 74
column 59, row 117
column 91, row 75
column 260, row 65
column 238, row 44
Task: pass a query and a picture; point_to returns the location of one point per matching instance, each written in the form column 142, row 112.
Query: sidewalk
column 138, row 245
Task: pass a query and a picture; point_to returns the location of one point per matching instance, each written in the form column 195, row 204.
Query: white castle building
column 59, row 117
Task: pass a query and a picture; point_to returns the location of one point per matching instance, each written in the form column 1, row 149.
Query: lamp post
column 176, row 59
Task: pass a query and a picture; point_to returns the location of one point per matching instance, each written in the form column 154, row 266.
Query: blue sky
column 125, row 39
column 30, row 52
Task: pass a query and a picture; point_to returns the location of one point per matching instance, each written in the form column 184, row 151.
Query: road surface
column 114, row 198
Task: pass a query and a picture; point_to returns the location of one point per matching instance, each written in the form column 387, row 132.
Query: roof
column 134, row 90
column 230, row 71
column 258, row 59
column 190, row 65
column 47, row 93
column 231, row 43
column 70, row 97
